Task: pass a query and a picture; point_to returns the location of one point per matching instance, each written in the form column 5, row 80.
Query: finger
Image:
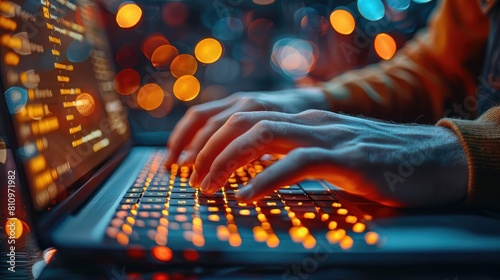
column 264, row 137
column 236, row 125
column 211, row 126
column 298, row 165
column 187, row 127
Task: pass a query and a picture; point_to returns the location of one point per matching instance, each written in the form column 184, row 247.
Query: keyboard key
column 151, row 207
column 211, row 201
column 312, row 187
column 294, row 197
column 155, row 194
column 182, row 195
column 183, row 190
column 293, row 192
column 157, row 189
column 132, row 195
column 153, row 200
column 134, row 190
column 300, row 203
column 270, row 203
column 325, row 197
column 181, row 202
column 129, row 200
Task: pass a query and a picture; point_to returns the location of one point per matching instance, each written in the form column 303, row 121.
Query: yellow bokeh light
column 11, row 59
column 208, row 50
column 150, row 96
column 385, row 46
column 183, row 64
column 14, row 228
column 186, row 88
column 342, row 21
column 128, row 15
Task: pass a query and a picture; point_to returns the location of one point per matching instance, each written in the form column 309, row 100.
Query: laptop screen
column 58, row 87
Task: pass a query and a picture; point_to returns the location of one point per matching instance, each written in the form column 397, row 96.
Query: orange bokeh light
column 163, row 56
column 152, row 42
column 85, row 104
column 183, row 64
column 385, row 46
column 208, row 50
column 162, row 253
column 127, row 81
column 342, row 21
column 14, row 227
column 150, row 96
column 186, row 88
column 128, row 15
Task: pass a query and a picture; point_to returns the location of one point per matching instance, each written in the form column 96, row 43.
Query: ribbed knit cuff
column 481, row 141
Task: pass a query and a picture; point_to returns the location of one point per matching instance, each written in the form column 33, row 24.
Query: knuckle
column 194, row 111
column 238, row 119
column 264, row 127
column 300, row 155
column 318, row 115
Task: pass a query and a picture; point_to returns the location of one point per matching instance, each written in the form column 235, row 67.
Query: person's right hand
column 201, row 121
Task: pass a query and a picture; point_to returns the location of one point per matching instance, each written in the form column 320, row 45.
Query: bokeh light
column 422, row 1
column 229, row 28
column 183, row 64
column 371, row 9
column 165, row 107
column 208, row 50
column 398, row 5
column 85, row 104
column 163, row 56
column 162, row 253
column 342, row 21
column 294, row 57
column 175, row 13
column 385, row 46
column 186, row 88
column 16, row 99
column 17, row 227
column 128, row 15
column 127, row 81
column 152, row 42
column 150, row 96
column 11, row 59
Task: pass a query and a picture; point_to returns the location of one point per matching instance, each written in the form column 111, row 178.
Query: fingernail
column 204, row 184
column 183, row 157
column 194, row 179
column 245, row 193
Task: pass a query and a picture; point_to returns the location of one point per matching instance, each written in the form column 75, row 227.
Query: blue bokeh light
column 371, row 9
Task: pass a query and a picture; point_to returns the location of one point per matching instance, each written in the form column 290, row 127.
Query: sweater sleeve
column 481, row 141
column 437, row 68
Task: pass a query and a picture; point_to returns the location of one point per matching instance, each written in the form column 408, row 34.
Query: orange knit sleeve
column 481, row 141
column 436, row 69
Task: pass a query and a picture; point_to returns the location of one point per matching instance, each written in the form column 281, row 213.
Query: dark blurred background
column 174, row 54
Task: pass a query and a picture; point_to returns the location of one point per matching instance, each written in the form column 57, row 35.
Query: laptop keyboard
column 161, row 205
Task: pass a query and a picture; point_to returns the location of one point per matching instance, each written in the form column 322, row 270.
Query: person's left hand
column 397, row 165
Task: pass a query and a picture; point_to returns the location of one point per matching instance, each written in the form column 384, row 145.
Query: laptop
column 96, row 195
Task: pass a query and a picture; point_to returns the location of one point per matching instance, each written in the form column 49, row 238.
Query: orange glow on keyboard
column 163, row 230
column 335, row 236
column 342, row 211
column 351, row 219
column 275, row 211
column 309, row 215
column 213, row 209
column 336, row 205
column 222, row 233
column 259, row 234
column 164, row 221
column 127, row 229
column 309, row 242
column 182, row 209
column 332, row 225
column 371, row 238
column 112, row 232
column 266, row 225
column 198, row 240
column 245, row 212
column 181, row 218
column 358, row 227
column 346, row 242
column 161, row 240
column 131, row 220
column 213, row 218
column 261, row 217
column 122, row 238
column 324, row 217
column 242, row 204
column 234, row 240
column 273, row 241
column 162, row 253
